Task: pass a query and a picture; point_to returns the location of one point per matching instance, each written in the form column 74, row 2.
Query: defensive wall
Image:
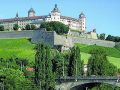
column 117, row 44
column 93, row 42
column 51, row 38
column 35, row 35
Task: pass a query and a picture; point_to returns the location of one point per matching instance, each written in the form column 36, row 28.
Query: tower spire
column 55, row 5
column 17, row 15
column 55, row 9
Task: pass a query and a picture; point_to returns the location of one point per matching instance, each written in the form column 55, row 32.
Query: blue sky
column 104, row 15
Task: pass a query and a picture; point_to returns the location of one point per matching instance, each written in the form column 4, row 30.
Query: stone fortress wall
column 117, row 44
column 51, row 38
column 35, row 35
column 93, row 42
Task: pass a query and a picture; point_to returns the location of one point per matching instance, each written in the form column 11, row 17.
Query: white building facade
column 55, row 15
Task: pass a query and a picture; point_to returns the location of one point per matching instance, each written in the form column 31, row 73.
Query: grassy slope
column 113, row 53
column 113, row 60
column 21, row 48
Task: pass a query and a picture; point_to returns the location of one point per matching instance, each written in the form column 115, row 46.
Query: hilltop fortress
column 77, row 26
column 76, row 34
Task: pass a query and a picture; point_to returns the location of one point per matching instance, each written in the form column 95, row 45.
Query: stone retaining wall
column 93, row 42
column 51, row 38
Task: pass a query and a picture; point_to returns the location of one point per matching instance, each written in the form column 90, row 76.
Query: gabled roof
column 23, row 18
column 68, row 18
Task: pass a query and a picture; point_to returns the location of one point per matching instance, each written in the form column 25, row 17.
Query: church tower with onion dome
column 31, row 12
column 55, row 14
column 82, row 21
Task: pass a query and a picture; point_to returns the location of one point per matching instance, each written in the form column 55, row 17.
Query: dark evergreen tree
column 16, row 27
column 99, row 65
column 28, row 27
column 75, row 67
column 48, row 73
column 43, row 68
column 110, row 38
column 33, row 27
column 102, row 36
column 1, row 28
column 58, row 65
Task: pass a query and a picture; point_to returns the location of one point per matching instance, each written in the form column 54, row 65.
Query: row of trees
column 27, row 27
column 51, row 64
column 47, row 68
column 102, row 36
column 58, row 27
column 12, row 75
column 16, row 27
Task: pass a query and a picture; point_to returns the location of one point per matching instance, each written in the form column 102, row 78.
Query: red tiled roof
column 35, row 17
column 30, row 69
column 22, row 18
column 68, row 18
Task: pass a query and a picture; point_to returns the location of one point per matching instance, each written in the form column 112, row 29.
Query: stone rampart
column 117, row 44
column 51, row 38
column 37, row 36
column 93, row 42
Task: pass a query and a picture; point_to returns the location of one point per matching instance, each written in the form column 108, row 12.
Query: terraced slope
column 12, row 48
column 113, row 54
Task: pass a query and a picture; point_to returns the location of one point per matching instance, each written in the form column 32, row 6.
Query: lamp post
column 76, row 69
column 63, row 68
column 86, row 88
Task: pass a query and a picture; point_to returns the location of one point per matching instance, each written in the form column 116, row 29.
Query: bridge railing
column 90, row 78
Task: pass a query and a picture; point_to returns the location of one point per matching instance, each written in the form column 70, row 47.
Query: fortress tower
column 82, row 21
column 55, row 14
column 31, row 12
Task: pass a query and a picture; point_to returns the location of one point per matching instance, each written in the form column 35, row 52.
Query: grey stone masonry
column 93, row 42
column 37, row 36
column 53, row 39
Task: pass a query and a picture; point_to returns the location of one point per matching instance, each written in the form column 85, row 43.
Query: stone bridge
column 69, row 83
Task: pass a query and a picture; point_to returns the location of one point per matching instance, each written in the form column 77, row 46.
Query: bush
column 1, row 28
column 58, row 27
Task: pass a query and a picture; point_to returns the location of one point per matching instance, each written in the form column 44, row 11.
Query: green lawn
column 112, row 52
column 22, row 48
column 13, row 48
column 113, row 60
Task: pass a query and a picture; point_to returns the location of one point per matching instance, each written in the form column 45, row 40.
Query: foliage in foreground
column 99, row 65
column 75, row 67
column 105, row 87
column 44, row 76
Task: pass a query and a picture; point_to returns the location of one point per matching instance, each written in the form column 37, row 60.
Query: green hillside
column 20, row 48
column 112, row 52
column 113, row 60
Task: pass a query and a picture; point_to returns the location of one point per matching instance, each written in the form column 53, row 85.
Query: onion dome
column 55, row 9
column 81, row 15
column 31, row 10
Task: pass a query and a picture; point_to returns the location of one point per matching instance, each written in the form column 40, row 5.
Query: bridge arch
column 72, row 85
column 90, row 84
column 68, row 83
